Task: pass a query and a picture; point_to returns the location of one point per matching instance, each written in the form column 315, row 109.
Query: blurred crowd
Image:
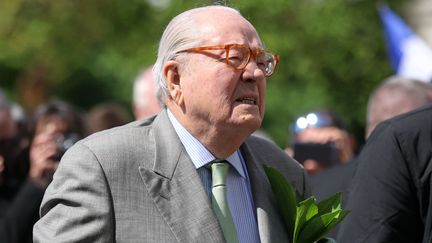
column 32, row 144
column 322, row 140
column 329, row 153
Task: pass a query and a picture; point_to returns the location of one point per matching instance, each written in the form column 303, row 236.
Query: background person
column 18, row 202
column 395, row 96
column 106, row 115
column 57, row 126
column 321, row 141
column 148, row 181
column 27, row 170
column 392, row 97
column 145, row 102
column 390, row 198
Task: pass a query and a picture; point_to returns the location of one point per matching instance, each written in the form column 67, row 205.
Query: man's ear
column 172, row 77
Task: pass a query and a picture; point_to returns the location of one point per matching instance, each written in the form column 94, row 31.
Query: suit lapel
column 176, row 188
column 270, row 225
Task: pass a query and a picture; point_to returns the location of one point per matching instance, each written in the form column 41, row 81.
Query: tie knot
column 219, row 173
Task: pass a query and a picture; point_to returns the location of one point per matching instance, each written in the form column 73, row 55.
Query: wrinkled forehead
column 225, row 26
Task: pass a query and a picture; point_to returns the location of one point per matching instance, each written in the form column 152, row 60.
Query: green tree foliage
column 332, row 51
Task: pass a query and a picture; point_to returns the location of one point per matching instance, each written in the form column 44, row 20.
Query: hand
column 43, row 164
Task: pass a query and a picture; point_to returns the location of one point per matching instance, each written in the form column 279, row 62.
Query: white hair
column 181, row 33
column 394, row 96
column 141, row 87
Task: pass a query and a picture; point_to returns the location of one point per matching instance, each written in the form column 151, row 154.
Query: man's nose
column 253, row 72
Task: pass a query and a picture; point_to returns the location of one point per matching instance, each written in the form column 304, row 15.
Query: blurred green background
column 86, row 52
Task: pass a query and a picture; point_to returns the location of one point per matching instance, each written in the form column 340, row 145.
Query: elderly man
column 156, row 180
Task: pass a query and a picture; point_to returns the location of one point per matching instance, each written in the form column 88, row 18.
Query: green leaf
column 306, row 221
column 285, row 197
column 337, row 220
column 330, row 204
column 306, row 210
column 320, row 225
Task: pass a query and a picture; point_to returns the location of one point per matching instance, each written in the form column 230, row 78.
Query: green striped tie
column 220, row 201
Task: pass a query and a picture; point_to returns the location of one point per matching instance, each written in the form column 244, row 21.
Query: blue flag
column 410, row 56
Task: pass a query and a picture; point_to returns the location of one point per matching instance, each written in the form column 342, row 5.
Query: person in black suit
column 390, row 199
column 392, row 97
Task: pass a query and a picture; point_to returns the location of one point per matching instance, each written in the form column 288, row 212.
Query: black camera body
column 326, row 154
column 64, row 143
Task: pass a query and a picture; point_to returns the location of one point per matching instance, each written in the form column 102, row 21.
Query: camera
column 64, row 143
column 326, row 154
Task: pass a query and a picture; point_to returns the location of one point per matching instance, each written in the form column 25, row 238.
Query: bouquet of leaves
column 306, row 221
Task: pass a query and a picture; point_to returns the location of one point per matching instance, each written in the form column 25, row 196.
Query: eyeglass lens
column 239, row 56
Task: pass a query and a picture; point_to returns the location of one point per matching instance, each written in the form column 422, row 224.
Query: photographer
column 321, row 141
column 56, row 126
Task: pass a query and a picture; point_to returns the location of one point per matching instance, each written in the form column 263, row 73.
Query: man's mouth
column 247, row 100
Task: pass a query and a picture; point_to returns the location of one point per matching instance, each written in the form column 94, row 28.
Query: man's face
column 215, row 93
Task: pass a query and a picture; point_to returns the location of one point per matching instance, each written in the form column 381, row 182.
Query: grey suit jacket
column 136, row 183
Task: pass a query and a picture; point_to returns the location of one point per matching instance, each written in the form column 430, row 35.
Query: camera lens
column 65, row 142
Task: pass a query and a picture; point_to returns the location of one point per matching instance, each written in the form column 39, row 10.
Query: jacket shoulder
column 268, row 153
column 271, row 154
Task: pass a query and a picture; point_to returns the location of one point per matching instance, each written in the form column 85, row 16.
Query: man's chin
column 249, row 121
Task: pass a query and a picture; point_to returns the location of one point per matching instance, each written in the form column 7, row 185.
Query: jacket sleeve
column 77, row 206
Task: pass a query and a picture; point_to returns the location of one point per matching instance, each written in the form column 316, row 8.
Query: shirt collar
column 199, row 155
